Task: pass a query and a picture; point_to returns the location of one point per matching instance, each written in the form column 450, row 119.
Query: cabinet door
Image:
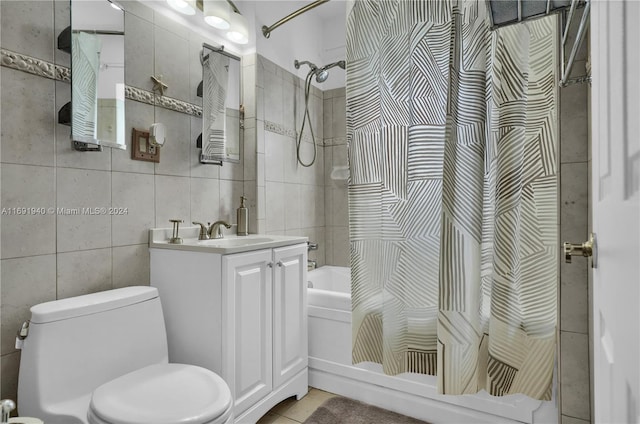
column 247, row 312
column 290, row 346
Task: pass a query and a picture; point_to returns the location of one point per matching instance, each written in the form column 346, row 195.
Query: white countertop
column 231, row 243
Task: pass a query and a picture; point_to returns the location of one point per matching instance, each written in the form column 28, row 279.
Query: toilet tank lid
column 90, row 303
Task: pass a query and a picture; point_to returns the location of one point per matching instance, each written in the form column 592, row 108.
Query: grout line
column 574, row 332
column 586, row 161
column 576, row 418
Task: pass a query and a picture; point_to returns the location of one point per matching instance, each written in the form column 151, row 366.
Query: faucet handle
column 175, row 238
column 203, row 231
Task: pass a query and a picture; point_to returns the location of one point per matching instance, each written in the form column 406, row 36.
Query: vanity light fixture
column 217, row 13
column 220, row 14
column 239, row 31
column 186, row 7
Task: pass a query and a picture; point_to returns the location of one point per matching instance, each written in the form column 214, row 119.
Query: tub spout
column 311, row 264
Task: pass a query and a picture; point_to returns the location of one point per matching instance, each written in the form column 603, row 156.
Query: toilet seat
column 162, row 394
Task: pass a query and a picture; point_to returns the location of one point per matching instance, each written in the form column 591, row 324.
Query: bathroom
column 55, row 256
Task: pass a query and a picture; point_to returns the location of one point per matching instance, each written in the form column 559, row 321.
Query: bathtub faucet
column 311, row 264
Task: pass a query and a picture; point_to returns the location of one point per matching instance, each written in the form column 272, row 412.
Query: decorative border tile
column 45, row 69
column 178, row 105
column 34, row 66
column 150, row 98
column 288, row 132
column 274, row 128
column 335, row 141
column 139, row 95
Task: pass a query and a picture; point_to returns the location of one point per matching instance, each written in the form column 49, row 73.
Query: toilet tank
column 75, row 345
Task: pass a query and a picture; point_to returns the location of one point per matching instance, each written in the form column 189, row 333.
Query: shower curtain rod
column 509, row 12
column 266, row 30
column 582, row 30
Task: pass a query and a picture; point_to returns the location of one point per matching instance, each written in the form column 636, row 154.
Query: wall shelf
column 64, row 40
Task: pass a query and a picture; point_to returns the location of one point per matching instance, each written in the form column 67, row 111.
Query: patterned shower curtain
column 453, row 194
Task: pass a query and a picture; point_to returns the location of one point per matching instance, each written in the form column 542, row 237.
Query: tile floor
column 292, row 411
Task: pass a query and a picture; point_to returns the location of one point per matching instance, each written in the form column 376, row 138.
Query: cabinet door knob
column 280, row 263
column 270, row 264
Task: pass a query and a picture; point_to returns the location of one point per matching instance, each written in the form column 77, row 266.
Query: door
column 615, row 56
column 290, row 345
column 247, row 335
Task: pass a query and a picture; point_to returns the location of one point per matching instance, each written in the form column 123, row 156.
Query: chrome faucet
column 204, row 232
column 311, row 264
column 215, row 230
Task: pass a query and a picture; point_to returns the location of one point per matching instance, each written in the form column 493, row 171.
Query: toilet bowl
column 102, row 359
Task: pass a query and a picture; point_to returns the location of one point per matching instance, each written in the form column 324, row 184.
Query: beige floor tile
column 268, row 418
column 302, row 409
column 285, row 420
column 283, row 406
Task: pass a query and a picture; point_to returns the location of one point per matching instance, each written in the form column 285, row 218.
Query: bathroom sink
column 231, row 243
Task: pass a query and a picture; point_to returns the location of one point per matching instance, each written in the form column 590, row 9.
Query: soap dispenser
column 243, row 218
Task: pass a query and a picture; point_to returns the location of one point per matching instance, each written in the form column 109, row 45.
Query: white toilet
column 102, row 359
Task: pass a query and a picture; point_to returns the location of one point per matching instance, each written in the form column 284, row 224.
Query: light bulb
column 217, row 13
column 186, row 7
column 239, row 30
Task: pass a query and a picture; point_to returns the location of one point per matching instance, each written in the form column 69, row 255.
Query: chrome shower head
column 321, row 73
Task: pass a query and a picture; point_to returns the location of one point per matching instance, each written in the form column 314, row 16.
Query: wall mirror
column 97, row 74
column 221, row 108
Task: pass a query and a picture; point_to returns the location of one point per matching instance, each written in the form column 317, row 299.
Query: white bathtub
column 330, row 287
column 331, row 369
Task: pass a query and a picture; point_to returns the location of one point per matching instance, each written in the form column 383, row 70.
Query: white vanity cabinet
column 247, row 323
column 290, row 353
column 243, row 315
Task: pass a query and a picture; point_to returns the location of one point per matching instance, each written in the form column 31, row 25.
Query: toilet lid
column 162, row 394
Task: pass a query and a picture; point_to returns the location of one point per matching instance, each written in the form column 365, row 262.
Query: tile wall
column 50, row 256
column 575, row 403
column 574, row 292
column 293, row 199
column 291, row 195
column 336, row 194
